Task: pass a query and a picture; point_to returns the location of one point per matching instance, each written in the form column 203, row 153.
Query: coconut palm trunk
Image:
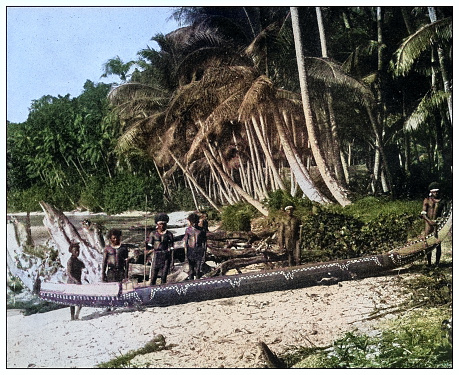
column 443, row 70
column 268, row 155
column 193, row 180
column 302, row 176
column 338, row 191
column 235, row 186
column 335, row 143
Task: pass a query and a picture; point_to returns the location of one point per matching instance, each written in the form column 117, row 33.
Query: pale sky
column 53, row 50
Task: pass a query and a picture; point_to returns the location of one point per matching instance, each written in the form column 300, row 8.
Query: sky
column 52, row 50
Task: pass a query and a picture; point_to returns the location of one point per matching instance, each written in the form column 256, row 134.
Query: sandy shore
column 211, row 334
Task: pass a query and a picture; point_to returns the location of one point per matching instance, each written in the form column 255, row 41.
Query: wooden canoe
column 132, row 294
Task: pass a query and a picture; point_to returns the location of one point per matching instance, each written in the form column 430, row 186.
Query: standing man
column 289, row 236
column 432, row 208
column 194, row 241
column 161, row 242
column 114, row 264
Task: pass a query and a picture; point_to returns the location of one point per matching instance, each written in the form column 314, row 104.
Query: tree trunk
column 338, row 191
column 301, row 175
column 268, row 156
column 443, row 70
column 187, row 173
column 236, row 187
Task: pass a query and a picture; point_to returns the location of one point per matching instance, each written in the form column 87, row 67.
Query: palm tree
column 117, row 67
column 338, row 191
column 336, row 148
column 426, row 47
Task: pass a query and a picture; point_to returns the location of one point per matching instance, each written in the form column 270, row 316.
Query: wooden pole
column 144, row 254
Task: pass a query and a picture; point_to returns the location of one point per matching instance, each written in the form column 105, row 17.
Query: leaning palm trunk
column 188, row 174
column 256, row 167
column 274, row 175
column 303, row 179
column 195, row 201
column 235, row 186
column 338, row 192
column 221, row 187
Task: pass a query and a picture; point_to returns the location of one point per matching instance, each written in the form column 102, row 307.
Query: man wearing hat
column 162, row 243
column 288, row 236
column 432, row 208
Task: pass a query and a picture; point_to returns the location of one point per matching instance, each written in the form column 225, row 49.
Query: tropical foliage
column 322, row 103
column 65, row 154
column 237, row 129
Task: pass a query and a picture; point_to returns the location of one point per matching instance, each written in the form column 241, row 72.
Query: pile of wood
column 235, row 250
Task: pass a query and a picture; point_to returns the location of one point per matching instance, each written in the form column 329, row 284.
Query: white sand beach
column 212, row 334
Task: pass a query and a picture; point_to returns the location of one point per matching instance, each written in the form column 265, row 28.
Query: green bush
column 279, row 199
column 25, row 200
column 370, row 225
column 237, row 217
column 328, row 235
column 91, row 197
column 386, row 232
column 15, row 284
column 28, row 200
column 181, row 199
column 127, row 192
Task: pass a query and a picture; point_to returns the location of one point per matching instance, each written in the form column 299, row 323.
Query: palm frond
column 260, row 90
column 427, row 106
column 139, row 132
column 286, row 94
column 185, row 98
column 412, row 47
column 132, row 89
column 362, row 52
column 331, row 74
column 224, row 113
column 204, row 58
column 256, row 49
column 134, row 101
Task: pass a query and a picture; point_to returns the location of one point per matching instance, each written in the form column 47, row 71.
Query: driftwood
column 237, row 264
column 265, row 256
column 272, row 360
column 222, row 254
column 223, row 246
column 223, row 236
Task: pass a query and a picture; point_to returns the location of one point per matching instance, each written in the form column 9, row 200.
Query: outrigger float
column 128, row 294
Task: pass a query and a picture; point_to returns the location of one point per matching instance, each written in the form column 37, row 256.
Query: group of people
column 160, row 245
column 159, row 250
